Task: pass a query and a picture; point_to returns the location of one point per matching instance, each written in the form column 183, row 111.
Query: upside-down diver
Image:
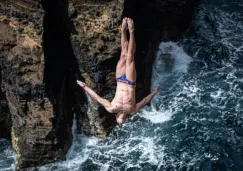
column 124, row 101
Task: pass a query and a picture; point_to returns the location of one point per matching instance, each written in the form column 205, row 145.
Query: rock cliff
column 38, row 98
column 45, row 45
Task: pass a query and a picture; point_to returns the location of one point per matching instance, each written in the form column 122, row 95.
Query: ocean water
column 7, row 156
column 195, row 123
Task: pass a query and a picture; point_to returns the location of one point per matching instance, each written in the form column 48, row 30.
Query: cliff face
column 40, row 108
column 5, row 117
column 96, row 44
column 46, row 45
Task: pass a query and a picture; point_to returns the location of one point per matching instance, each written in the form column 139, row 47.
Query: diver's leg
column 123, row 32
column 121, row 65
column 132, row 44
column 130, row 63
column 130, row 68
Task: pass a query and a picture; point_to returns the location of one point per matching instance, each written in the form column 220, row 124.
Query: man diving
column 124, row 101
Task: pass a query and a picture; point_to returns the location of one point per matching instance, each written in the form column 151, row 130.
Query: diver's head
column 121, row 117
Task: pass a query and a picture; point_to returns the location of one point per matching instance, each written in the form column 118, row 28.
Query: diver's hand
column 82, row 84
column 157, row 89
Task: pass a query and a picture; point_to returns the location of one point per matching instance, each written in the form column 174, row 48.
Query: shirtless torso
column 124, row 101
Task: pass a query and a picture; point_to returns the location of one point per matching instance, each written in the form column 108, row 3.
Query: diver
column 124, row 102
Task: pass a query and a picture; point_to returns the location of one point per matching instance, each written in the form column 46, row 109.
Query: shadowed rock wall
column 5, row 117
column 38, row 96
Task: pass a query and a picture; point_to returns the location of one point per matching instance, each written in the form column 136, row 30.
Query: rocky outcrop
column 96, row 44
column 37, row 93
column 45, row 45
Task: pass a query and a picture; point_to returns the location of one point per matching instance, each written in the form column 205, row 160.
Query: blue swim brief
column 123, row 79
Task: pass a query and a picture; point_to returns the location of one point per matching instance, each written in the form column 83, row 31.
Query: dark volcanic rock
column 38, row 96
column 5, row 116
column 7, row 41
column 96, row 44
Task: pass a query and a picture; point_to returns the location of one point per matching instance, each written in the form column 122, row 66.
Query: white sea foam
column 156, row 116
column 170, row 63
column 8, row 156
column 170, row 59
column 170, row 55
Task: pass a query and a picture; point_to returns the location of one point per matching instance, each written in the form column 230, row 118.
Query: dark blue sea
column 195, row 123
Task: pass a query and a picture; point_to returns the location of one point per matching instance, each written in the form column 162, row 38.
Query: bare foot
column 124, row 25
column 130, row 25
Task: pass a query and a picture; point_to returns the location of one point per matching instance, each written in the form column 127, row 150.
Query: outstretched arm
column 145, row 101
column 95, row 96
